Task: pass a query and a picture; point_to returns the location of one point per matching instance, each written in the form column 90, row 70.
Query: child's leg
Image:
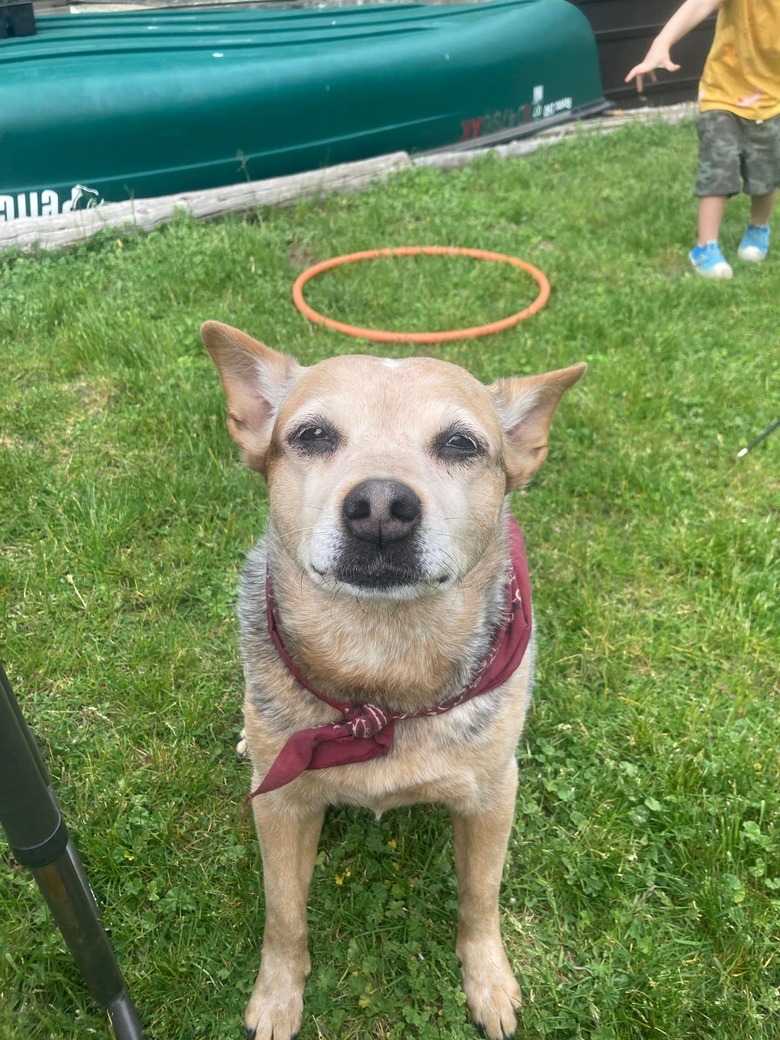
column 706, row 257
column 762, row 174
column 755, row 241
column 711, row 209
column 761, row 208
column 717, row 179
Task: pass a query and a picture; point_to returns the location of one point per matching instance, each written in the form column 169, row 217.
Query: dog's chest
column 419, row 768
column 452, row 759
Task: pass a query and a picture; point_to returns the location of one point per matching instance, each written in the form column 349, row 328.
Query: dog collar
column 366, row 731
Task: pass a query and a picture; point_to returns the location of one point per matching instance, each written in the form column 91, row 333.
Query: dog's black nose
column 381, row 511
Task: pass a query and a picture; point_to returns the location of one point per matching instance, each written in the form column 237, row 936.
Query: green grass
column 642, row 890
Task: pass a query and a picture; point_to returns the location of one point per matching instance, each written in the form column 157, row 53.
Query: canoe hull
column 112, row 107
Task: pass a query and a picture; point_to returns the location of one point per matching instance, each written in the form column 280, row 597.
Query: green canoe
column 118, row 106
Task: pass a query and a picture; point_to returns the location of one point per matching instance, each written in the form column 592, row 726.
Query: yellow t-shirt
column 742, row 71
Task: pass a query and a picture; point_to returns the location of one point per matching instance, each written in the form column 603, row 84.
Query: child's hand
column 656, row 58
column 690, row 14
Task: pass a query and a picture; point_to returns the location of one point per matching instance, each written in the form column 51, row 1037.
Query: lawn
column 642, row 888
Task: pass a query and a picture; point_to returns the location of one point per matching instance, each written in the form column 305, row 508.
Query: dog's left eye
column 461, row 442
column 457, row 446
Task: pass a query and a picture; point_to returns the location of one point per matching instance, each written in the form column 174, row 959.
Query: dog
column 386, row 627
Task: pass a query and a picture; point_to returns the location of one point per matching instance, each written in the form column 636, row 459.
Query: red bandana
column 366, row 730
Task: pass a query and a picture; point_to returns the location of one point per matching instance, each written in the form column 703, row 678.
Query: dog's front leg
column 288, row 844
column 481, row 839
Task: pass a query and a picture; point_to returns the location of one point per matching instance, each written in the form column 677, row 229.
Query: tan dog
column 383, row 583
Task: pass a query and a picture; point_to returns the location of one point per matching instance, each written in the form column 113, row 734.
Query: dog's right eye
column 314, row 438
column 311, row 433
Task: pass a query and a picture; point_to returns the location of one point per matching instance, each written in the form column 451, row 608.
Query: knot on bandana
column 366, row 720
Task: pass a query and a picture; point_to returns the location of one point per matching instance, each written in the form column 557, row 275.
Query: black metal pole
column 39, row 840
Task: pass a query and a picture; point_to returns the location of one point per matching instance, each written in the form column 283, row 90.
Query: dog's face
column 387, row 478
column 386, row 475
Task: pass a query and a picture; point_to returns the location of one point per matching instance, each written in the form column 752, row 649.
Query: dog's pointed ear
column 525, row 409
column 256, row 381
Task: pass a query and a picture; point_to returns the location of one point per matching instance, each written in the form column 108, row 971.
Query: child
column 738, row 122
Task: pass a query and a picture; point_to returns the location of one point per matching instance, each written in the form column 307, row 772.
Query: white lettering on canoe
column 507, row 118
column 46, row 203
column 552, row 108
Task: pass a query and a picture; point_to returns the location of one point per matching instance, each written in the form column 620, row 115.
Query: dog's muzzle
column 381, row 521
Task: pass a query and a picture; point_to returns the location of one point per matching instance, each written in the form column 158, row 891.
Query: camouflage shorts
column 737, row 154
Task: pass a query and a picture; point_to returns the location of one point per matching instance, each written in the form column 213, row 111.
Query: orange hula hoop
column 386, row 336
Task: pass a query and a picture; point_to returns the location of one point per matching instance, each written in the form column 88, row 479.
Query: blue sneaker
column 708, row 261
column 755, row 243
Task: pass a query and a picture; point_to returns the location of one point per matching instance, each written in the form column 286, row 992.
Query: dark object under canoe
column 624, row 30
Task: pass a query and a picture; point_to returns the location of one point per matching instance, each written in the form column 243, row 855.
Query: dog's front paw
column 273, row 1016
column 492, row 992
column 275, row 1008
column 241, row 748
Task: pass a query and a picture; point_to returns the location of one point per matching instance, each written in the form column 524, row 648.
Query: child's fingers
column 640, row 71
column 647, row 68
